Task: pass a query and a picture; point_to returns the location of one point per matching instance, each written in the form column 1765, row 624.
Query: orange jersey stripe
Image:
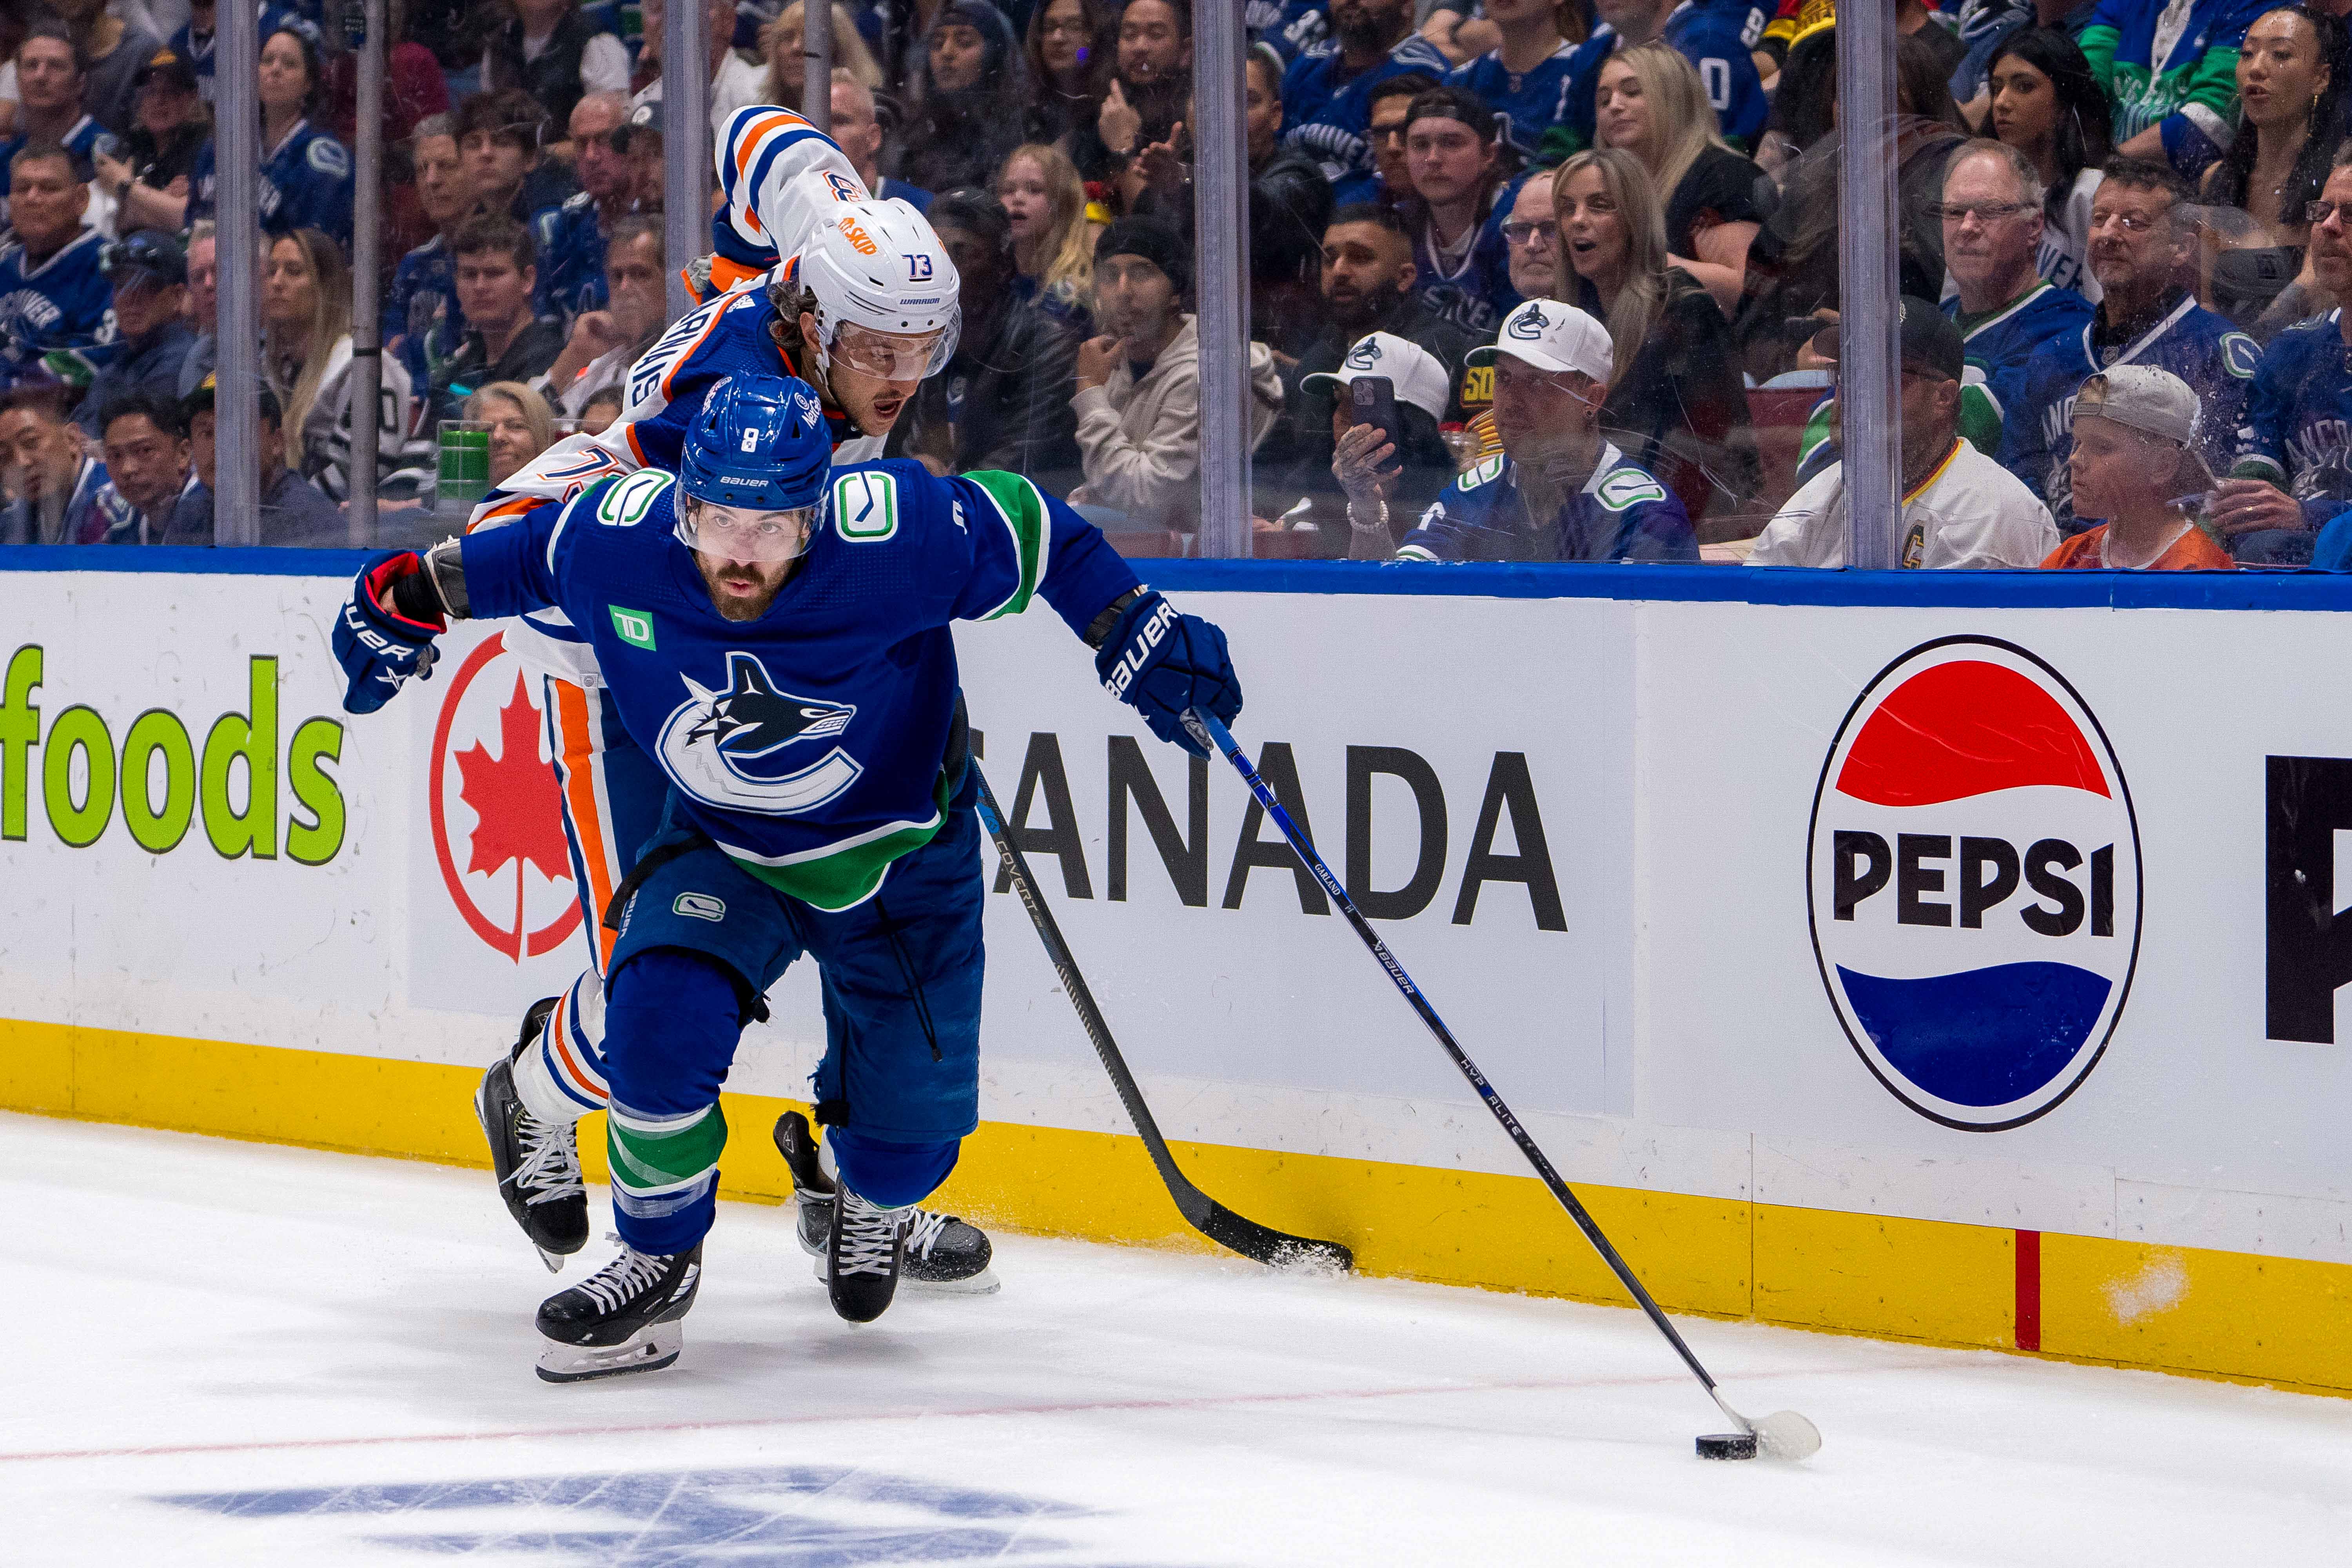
column 576, row 729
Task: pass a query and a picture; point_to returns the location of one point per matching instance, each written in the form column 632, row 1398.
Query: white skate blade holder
column 650, row 1349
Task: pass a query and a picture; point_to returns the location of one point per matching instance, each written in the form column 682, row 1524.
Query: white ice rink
column 231, row 1354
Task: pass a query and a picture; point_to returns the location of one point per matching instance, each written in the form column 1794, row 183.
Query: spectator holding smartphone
column 1386, row 453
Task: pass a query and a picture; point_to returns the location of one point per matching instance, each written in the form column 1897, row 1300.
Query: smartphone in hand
column 1371, row 400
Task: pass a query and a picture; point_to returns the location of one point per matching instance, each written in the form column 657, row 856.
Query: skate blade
column 554, row 1261
column 650, row 1349
column 984, row 1283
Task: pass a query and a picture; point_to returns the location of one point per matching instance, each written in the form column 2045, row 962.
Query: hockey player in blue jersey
column 863, row 337
column 1561, row 490
column 2294, row 468
column 1327, row 105
column 2143, row 251
column 1719, row 36
column 776, row 634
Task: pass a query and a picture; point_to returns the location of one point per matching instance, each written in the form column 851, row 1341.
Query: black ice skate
column 945, row 1256
column 537, row 1163
column 623, row 1317
column 862, row 1252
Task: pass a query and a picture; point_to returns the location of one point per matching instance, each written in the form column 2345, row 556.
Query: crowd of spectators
column 1528, row 279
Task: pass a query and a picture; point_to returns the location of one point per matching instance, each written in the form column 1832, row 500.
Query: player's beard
column 761, row 582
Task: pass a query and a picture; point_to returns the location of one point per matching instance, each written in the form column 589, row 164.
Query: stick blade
column 1275, row 1249
column 1785, row 1435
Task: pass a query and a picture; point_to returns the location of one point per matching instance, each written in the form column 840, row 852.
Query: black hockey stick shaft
column 1259, row 1242
column 1210, row 732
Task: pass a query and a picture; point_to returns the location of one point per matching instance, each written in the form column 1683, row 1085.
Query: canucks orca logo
column 727, row 748
column 1365, row 354
column 1973, row 883
column 1527, row 322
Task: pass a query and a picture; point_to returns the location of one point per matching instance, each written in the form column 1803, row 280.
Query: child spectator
column 2046, row 104
column 1676, row 403
column 1650, row 103
column 1053, row 243
column 2135, row 457
column 1461, row 269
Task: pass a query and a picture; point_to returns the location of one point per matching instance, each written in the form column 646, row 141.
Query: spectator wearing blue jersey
column 1650, row 103
column 2144, row 246
column 56, row 311
column 2169, row 72
column 1326, row 92
column 504, row 340
column 1561, row 490
column 149, row 274
column 1460, row 199
column 421, row 317
column 112, row 50
column 2292, row 475
column 1718, row 37
column 306, row 175
column 49, row 76
column 1524, row 77
column 604, row 343
column 196, row 39
column 145, row 438
column 500, row 136
column 2007, row 311
column 2290, row 122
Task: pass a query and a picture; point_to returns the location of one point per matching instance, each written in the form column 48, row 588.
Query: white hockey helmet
column 876, row 266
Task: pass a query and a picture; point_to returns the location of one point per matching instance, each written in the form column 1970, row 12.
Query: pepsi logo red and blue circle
column 1973, row 883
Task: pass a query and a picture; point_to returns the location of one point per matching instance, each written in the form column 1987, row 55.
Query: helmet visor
column 892, row 356
column 738, row 534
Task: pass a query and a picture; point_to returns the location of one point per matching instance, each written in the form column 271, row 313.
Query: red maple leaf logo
column 516, row 804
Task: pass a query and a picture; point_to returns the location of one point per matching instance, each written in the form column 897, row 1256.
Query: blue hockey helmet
column 754, row 468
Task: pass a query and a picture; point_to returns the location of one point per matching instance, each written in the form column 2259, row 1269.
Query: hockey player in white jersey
column 810, row 277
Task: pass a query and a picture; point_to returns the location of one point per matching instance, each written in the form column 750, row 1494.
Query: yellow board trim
column 2238, row 1316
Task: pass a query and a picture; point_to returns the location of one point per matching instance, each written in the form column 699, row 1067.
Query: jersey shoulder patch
column 327, row 156
column 865, row 506
column 1485, row 473
column 2239, row 354
column 577, row 201
column 624, row 502
column 1629, row 486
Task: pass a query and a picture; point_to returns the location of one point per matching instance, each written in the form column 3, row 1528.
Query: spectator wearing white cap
column 1380, row 480
column 1560, row 491
column 2135, row 464
column 1960, row 509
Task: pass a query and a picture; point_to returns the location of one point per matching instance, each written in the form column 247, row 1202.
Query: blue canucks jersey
column 199, row 51
column 61, row 307
column 806, row 744
column 306, row 183
column 1292, row 27
column 570, row 259
column 1622, row 513
column 1719, row 36
column 2297, row 432
column 78, row 141
column 2201, row 348
column 1525, row 103
column 424, row 300
column 2002, row 346
column 1476, row 293
column 1329, row 122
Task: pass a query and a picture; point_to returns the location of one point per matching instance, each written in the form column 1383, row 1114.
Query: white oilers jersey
column 1969, row 513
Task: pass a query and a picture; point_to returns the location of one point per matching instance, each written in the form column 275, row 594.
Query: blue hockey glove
column 1160, row 663
column 377, row 645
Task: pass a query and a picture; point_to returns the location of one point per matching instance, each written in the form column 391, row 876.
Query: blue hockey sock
column 890, row 1175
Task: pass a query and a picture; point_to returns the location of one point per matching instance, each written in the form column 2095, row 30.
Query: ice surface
column 233, row 1353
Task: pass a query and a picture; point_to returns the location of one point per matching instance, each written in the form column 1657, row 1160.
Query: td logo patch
column 1973, row 883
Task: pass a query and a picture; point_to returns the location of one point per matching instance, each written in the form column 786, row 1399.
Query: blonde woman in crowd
column 1053, row 241
column 1676, row 405
column 522, row 425
column 306, row 315
column 1650, row 102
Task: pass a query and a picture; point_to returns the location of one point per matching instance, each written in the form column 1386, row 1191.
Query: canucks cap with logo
column 2153, row 402
column 1415, row 372
column 1551, row 336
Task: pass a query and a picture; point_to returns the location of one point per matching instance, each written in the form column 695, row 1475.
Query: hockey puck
column 1727, row 1445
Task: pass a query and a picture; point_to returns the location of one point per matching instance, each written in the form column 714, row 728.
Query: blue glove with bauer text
column 378, row 647
column 1160, row 663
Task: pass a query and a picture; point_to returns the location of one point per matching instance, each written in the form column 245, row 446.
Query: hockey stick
column 1258, row 1243
column 1785, row 1434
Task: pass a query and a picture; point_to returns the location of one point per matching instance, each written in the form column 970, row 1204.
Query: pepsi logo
column 1973, row 883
